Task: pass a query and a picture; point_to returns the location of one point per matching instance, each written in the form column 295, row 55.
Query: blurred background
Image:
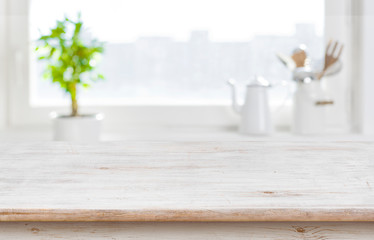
column 167, row 62
column 181, row 52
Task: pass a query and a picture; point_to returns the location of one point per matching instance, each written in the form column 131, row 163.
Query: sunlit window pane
column 181, row 51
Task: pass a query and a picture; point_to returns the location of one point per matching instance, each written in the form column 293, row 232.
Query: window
column 181, row 52
column 167, row 62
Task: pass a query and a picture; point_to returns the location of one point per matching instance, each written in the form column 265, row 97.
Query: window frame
column 3, row 66
column 20, row 113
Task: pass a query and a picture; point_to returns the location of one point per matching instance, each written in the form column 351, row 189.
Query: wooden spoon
column 299, row 57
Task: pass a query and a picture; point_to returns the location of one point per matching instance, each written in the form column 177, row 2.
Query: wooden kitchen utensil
column 299, row 56
column 330, row 58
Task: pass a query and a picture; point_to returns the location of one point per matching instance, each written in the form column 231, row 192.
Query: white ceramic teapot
column 255, row 112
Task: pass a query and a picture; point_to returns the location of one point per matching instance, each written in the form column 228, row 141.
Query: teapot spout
column 231, row 82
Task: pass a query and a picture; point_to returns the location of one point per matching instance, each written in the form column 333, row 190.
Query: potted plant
column 71, row 62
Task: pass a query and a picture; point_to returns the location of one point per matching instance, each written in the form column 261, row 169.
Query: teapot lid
column 258, row 81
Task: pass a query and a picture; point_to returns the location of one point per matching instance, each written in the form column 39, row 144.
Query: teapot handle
column 231, row 82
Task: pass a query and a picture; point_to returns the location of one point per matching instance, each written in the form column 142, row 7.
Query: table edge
column 187, row 215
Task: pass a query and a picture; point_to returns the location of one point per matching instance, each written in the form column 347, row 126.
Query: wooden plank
column 187, row 231
column 206, row 215
column 187, row 181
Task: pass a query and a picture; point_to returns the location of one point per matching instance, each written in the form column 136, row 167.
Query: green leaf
column 100, row 76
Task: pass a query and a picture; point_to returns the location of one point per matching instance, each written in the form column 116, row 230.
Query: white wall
column 3, row 66
column 367, row 61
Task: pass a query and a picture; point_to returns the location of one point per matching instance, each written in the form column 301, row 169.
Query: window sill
column 178, row 133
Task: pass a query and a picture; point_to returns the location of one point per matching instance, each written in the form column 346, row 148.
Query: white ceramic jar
column 310, row 106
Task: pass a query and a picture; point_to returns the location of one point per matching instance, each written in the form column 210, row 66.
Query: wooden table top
column 187, row 181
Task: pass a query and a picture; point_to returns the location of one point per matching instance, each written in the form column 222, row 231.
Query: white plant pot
column 84, row 129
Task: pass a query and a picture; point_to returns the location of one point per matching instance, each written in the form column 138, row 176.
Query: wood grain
column 188, row 231
column 187, row 181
